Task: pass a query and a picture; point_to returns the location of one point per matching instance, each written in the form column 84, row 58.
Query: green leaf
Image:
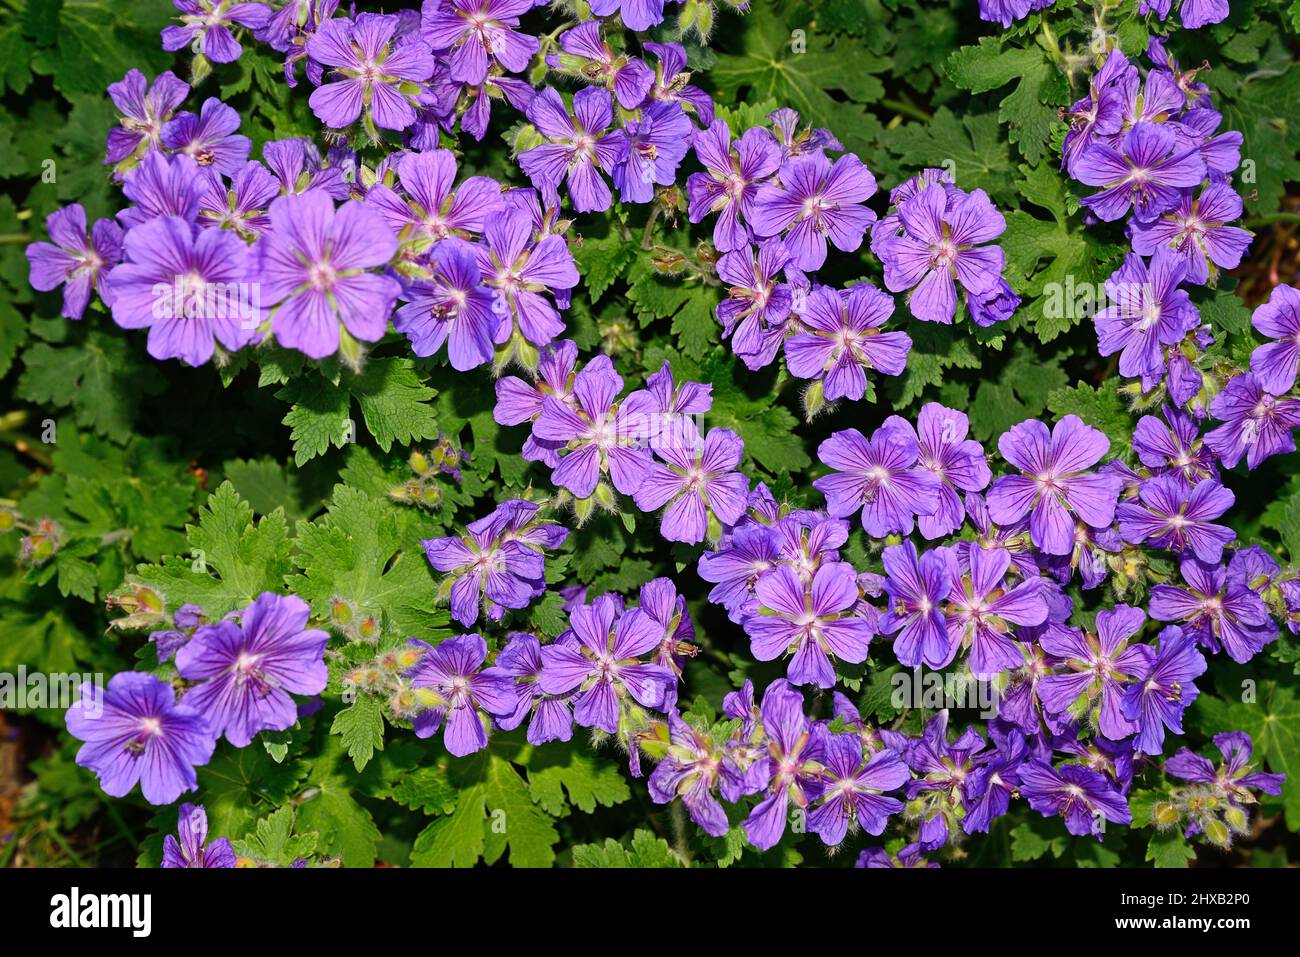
column 1036, row 838
column 972, row 148
column 494, row 814
column 645, row 850
column 1272, row 720
column 274, row 842
column 366, row 551
column 266, row 485
column 573, row 770
column 101, row 378
column 602, row 261
column 395, row 404
column 362, row 726
column 1169, row 849
column 773, row 65
column 1099, row 406
column 232, row 559
column 455, row 840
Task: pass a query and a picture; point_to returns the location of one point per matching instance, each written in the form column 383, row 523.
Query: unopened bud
column 1236, row 819
column 419, row 462
column 1165, row 814
column 1216, row 832
column 368, row 628
column 341, row 612
column 8, row 519
column 604, row 496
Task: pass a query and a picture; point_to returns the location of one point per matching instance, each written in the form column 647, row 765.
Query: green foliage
column 274, row 473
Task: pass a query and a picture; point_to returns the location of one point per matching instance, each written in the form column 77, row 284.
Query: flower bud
column 1236, row 819
column 341, row 612
column 1165, row 815
column 1216, row 832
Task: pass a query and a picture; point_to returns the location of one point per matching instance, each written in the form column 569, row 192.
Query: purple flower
column 297, row 164
column 587, row 55
column 791, row 768
column 947, row 772
column 917, row 588
column 519, row 401
column 1196, row 231
column 816, row 200
column 658, row 598
column 451, row 306
column 478, row 33
column 945, row 452
column 637, row 14
column 1221, row 613
column 800, row 142
column 993, row 782
column 601, row 439
column 577, row 146
column 699, row 481
column 192, row 825
column 242, row 206
column 811, row 620
column 755, row 300
column 600, row 661
column 162, row 186
column 879, row 477
column 656, row 145
column 911, row 855
column 1164, row 689
column 1173, row 446
column 521, row 268
column 751, row 551
column 432, row 209
column 1082, row 796
column 1255, row 424
column 843, row 339
column 247, row 669
column 372, row 62
column 552, row 715
column 209, row 138
column 672, row 81
column 693, row 769
column 1172, row 514
column 135, row 731
column 1055, row 481
column 1007, row 12
column 145, row 109
column 939, row 249
column 1098, row 666
column 730, row 181
column 853, row 790
column 210, row 21
column 498, row 562
column 1146, row 311
column 1100, row 114
column 314, row 264
column 1145, row 173
column 981, row 609
column 1275, row 364
column 1232, row 779
column 450, row 688
column 80, row 262
column 188, row 291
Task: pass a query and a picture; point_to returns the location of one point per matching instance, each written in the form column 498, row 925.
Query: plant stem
column 906, row 109
column 1273, row 218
